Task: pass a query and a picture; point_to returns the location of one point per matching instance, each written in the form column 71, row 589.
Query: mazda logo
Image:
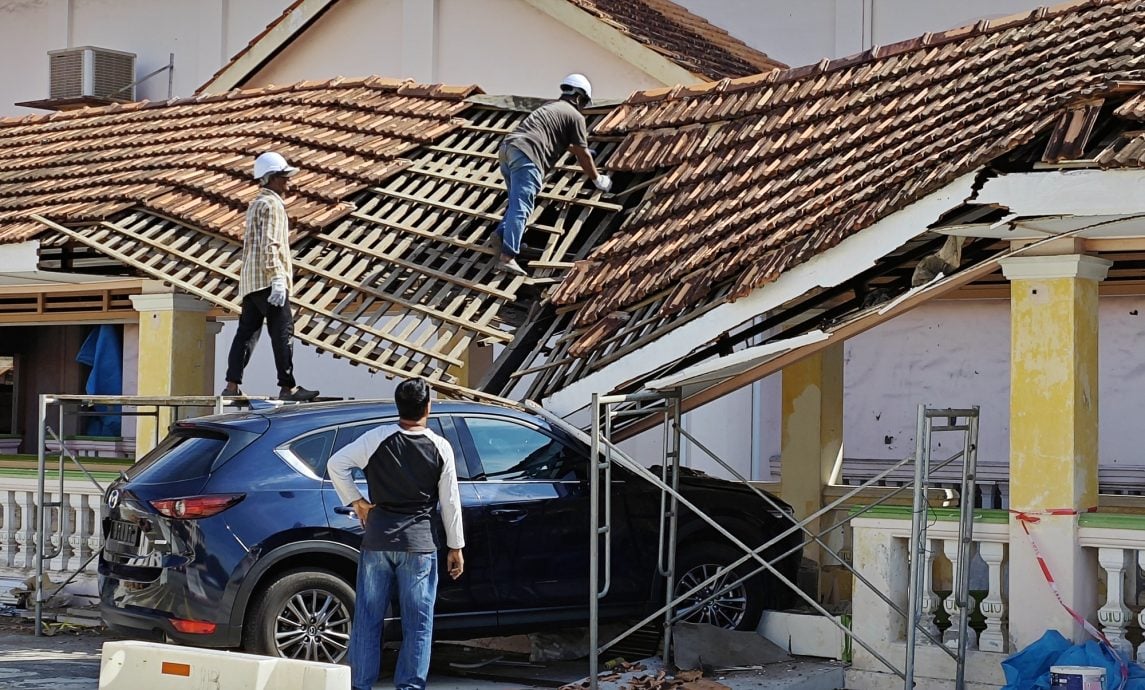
column 113, row 498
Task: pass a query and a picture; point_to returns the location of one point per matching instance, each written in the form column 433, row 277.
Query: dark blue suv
column 230, row 533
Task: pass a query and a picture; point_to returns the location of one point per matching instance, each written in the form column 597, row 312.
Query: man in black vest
column 409, row 471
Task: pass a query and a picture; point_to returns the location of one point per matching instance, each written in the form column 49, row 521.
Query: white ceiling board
column 733, row 364
column 1036, row 228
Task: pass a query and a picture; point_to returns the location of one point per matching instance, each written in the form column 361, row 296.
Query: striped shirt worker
column 266, row 246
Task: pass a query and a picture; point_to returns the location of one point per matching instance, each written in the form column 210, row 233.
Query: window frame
column 287, row 454
column 470, row 446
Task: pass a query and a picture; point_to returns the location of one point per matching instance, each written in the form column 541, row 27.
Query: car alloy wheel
column 727, row 610
column 302, row 614
column 313, row 625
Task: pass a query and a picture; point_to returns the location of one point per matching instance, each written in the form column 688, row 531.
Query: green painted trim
column 981, row 515
column 14, row 473
column 1112, row 520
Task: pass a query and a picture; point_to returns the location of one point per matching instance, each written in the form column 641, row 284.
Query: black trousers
column 280, row 326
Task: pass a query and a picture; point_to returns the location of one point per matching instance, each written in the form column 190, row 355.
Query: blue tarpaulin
column 103, row 353
column 1029, row 669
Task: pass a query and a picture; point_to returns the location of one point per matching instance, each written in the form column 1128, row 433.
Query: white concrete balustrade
column 881, row 553
column 75, row 526
column 881, row 541
column 1119, row 544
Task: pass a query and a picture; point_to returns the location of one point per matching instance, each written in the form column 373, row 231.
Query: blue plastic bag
column 1029, row 669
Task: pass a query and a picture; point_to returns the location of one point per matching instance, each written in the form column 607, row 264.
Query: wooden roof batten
column 397, row 275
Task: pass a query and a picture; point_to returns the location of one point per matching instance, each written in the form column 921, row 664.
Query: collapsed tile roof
column 392, row 212
column 1128, row 151
column 759, row 174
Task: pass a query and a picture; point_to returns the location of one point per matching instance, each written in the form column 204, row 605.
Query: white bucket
column 1077, row 678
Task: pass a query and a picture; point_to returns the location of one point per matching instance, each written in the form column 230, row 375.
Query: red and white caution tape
column 1026, row 518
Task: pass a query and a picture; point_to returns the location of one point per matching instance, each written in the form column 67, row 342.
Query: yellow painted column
column 812, row 434
column 176, row 353
column 477, row 360
column 1053, row 435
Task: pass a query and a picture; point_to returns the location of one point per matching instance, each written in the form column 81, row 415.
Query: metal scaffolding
column 605, row 454
column 74, row 405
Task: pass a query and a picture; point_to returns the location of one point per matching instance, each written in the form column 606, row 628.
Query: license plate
column 124, row 532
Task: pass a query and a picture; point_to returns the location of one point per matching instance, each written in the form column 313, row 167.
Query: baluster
column 57, row 539
column 1114, row 617
column 930, row 601
column 950, row 637
column 27, row 535
column 75, row 542
column 1141, row 615
column 993, row 607
column 88, row 528
column 11, row 527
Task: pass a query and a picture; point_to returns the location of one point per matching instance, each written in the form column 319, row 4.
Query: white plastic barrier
column 134, row 665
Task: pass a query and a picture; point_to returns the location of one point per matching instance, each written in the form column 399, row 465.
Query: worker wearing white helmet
column 265, row 281
column 531, row 149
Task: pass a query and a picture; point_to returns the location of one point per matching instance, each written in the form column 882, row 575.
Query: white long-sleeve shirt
column 407, row 472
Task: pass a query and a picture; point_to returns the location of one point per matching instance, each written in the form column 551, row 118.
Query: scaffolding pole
column 43, row 552
column 600, row 445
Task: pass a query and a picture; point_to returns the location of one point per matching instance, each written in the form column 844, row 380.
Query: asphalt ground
column 70, row 660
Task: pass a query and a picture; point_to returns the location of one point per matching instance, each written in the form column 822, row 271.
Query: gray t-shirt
column 545, row 134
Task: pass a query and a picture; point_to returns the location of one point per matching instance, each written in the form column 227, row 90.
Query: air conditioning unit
column 90, row 72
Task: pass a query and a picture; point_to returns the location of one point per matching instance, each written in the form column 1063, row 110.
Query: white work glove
column 603, row 182
column 277, row 292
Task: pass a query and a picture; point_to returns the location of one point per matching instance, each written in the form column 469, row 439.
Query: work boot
column 232, row 391
column 506, row 264
column 299, row 394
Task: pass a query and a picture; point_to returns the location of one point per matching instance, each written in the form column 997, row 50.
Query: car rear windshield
column 185, row 454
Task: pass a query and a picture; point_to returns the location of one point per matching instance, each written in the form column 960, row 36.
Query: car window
column 314, row 450
column 185, row 454
column 351, row 433
column 512, row 451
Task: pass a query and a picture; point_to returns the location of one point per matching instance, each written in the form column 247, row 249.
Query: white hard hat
column 577, row 81
column 272, row 162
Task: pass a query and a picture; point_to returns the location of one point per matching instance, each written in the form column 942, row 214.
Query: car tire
column 304, row 614
column 738, row 608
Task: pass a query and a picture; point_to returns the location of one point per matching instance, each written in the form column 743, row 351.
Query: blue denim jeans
column 416, row 577
column 524, row 181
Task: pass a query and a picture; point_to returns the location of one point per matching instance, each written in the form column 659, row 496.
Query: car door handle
column 344, row 510
column 509, row 514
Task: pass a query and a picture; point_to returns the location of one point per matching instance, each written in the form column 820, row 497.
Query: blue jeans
column 524, row 181
column 416, row 576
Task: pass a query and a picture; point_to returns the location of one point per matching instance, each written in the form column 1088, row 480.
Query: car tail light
column 191, row 507
column 193, row 627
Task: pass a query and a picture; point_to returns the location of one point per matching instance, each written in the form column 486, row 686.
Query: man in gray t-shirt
column 531, row 149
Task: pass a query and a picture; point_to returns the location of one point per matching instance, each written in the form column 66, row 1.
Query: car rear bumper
column 150, row 625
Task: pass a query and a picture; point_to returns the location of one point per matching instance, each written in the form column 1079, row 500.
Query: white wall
column 506, row 46
column 955, row 353
column 333, row 377
column 203, row 34
column 355, row 38
column 528, row 56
